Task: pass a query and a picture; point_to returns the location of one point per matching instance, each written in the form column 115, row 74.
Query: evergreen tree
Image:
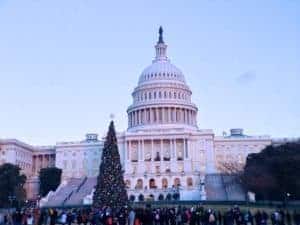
column 50, row 179
column 11, row 185
column 110, row 189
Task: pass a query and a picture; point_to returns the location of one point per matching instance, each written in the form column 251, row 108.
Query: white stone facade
column 79, row 159
column 163, row 151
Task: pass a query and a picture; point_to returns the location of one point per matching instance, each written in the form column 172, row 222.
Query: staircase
column 84, row 189
column 214, row 188
column 60, row 197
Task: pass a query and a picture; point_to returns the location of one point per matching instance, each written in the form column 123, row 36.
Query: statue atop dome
column 160, row 39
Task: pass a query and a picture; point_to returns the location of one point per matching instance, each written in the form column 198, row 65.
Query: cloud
column 246, row 78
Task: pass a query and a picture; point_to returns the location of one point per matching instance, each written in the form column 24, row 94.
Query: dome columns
column 161, row 115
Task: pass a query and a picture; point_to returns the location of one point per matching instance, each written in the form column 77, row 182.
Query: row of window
column 180, row 168
column 159, row 75
column 74, row 164
column 157, row 157
column 23, row 165
column 238, row 146
column 144, row 96
column 84, row 153
column 151, row 184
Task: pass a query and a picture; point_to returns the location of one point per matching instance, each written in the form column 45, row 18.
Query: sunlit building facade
column 163, row 151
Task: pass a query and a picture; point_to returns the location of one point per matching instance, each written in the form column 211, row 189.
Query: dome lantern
column 161, row 47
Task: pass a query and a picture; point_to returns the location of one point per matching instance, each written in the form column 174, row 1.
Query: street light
column 11, row 199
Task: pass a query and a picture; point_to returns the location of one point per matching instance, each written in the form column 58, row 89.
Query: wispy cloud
column 246, row 78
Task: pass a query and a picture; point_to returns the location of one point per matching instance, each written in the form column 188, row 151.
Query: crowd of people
column 197, row 215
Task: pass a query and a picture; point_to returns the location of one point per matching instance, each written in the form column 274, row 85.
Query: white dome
column 162, row 96
column 161, row 70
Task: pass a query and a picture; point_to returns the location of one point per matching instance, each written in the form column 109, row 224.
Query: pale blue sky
column 66, row 65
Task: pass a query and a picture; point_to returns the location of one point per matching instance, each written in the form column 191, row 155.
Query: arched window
column 127, row 183
column 152, row 184
column 139, row 184
column 154, row 95
column 164, row 183
column 161, row 197
column 131, row 198
column 141, row 198
column 176, row 182
column 159, row 94
column 150, row 95
column 145, row 95
column 189, row 182
column 165, row 94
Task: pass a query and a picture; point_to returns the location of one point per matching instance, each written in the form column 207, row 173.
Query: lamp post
column 287, row 197
column 11, row 199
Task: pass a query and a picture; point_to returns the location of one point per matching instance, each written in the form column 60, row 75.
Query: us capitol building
column 163, row 151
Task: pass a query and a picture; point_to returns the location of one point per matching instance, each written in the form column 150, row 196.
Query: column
column 151, row 116
column 125, row 153
column 175, row 150
column 133, row 119
column 145, row 116
column 129, row 151
column 42, row 162
column 172, row 154
column 142, row 116
column 152, row 151
column 184, row 149
column 161, row 150
column 139, row 151
column 143, row 150
column 163, row 115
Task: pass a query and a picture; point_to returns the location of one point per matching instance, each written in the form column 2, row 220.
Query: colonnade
column 42, row 161
column 135, row 149
column 161, row 115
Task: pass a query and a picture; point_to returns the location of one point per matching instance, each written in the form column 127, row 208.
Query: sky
column 66, row 65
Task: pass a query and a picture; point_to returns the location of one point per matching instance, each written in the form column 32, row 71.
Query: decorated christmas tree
column 110, row 189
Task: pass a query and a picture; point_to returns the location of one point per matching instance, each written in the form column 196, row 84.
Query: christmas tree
column 110, row 189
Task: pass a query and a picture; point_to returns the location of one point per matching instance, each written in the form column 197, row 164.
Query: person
column 17, row 218
column 178, row 217
column 264, row 218
column 69, row 218
column 258, row 217
column 211, row 218
column 1, row 218
column 156, row 217
column 63, row 218
column 131, row 217
column 29, row 219
column 288, row 218
column 79, row 218
column 248, row 219
column 219, row 217
column 122, row 216
column 53, row 216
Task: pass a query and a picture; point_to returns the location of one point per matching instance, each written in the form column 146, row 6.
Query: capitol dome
column 161, row 70
column 161, row 96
